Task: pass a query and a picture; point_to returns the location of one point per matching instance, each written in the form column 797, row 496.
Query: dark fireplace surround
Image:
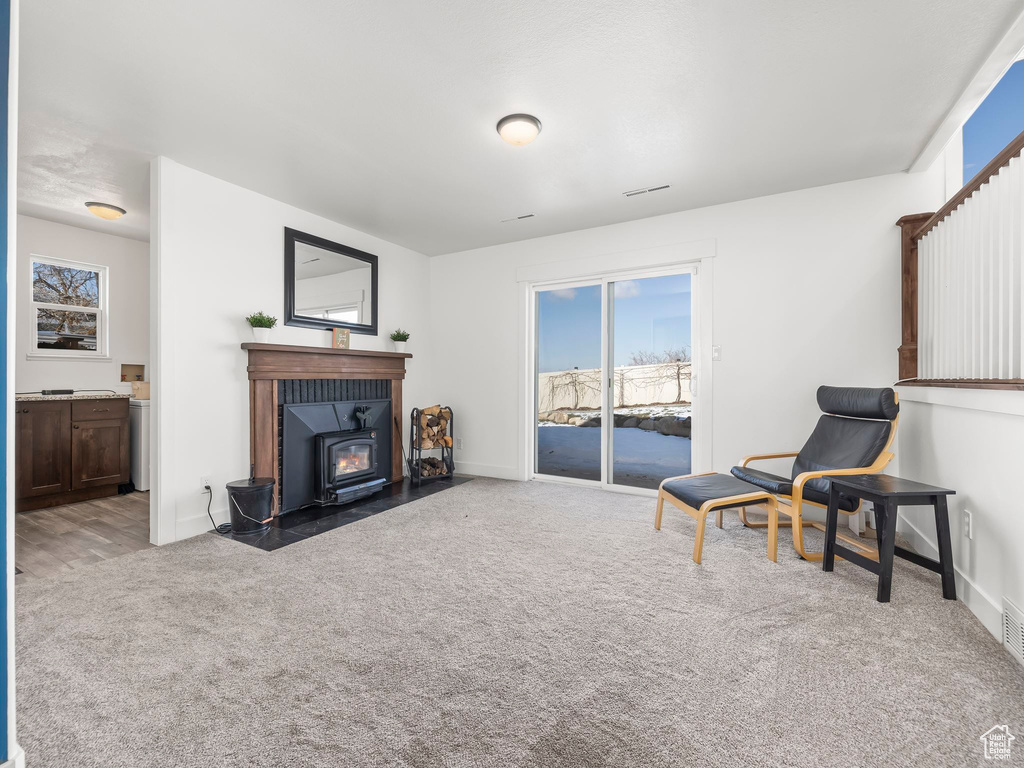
column 325, row 423
column 329, row 450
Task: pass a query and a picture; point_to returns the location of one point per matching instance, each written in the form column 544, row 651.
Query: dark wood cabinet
column 70, row 450
column 99, row 453
column 42, row 455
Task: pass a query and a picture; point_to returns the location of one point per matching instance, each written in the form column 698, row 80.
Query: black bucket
column 251, row 503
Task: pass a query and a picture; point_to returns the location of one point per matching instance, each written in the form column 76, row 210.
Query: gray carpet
column 503, row 624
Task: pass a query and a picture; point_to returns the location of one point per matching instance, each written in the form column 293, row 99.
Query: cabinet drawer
column 91, row 410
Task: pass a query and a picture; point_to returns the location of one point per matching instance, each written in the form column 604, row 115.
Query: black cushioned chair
column 853, row 437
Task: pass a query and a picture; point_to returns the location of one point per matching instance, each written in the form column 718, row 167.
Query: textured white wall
column 806, row 292
column 219, row 255
column 128, row 263
column 971, row 441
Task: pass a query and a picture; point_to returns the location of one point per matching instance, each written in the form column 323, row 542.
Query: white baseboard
column 988, row 611
column 486, row 470
column 16, row 761
column 193, row 526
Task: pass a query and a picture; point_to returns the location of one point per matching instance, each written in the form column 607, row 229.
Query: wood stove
column 347, row 466
column 333, row 452
column 283, row 377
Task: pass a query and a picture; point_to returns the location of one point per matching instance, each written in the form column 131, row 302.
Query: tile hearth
column 305, row 523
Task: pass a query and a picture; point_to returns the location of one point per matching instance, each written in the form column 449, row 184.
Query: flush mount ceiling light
column 106, row 210
column 518, row 130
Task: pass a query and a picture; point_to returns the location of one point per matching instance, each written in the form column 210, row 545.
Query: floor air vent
column 645, row 190
column 1013, row 630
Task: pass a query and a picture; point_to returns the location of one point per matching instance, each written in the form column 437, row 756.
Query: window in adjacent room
column 995, row 123
column 349, row 313
column 68, row 309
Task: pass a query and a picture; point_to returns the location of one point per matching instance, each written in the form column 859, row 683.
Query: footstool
column 697, row 495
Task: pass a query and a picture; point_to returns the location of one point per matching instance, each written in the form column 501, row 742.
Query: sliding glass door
column 652, row 355
column 568, row 382
column 613, row 376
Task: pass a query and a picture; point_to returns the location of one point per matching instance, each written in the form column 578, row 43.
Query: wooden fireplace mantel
column 269, row 363
column 285, row 361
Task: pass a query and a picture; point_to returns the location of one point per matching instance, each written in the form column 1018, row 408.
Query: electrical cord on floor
column 223, row 527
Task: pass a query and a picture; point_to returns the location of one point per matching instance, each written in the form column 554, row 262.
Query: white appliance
column 138, row 417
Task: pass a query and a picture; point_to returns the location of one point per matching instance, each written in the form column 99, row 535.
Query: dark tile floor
column 304, row 523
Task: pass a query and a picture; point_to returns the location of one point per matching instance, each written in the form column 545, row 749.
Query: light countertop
column 77, row 396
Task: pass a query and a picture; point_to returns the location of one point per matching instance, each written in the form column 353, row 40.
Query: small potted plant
column 261, row 325
column 398, row 338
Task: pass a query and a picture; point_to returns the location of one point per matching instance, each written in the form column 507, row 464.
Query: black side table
column 888, row 493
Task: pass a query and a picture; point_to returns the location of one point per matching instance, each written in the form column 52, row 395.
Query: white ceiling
column 381, row 115
column 311, row 261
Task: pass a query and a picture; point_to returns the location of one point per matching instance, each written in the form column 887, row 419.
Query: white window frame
column 324, row 313
column 353, row 299
column 696, row 257
column 102, row 313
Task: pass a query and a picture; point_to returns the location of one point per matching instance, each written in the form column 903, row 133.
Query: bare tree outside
column 55, row 286
column 621, row 382
column 575, row 384
column 670, row 365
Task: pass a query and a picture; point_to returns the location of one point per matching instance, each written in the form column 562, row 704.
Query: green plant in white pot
column 261, row 325
column 398, row 338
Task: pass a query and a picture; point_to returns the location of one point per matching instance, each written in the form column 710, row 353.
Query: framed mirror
column 328, row 285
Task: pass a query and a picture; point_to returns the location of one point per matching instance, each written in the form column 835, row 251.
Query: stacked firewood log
column 434, row 428
column 430, row 466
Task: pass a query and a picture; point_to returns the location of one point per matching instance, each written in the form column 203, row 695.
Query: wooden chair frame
column 700, row 515
column 793, row 505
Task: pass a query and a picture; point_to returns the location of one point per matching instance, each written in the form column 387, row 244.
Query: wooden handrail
column 1009, row 152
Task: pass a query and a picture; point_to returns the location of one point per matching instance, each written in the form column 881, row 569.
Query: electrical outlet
column 205, row 481
column 458, row 443
column 968, row 524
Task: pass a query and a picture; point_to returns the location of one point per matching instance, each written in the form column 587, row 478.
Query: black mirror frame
column 293, row 236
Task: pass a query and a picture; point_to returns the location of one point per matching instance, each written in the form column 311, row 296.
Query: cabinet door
column 99, row 453
column 42, row 448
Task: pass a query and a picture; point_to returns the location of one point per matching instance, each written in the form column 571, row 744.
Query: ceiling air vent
column 645, row 190
column 1013, row 630
column 519, row 218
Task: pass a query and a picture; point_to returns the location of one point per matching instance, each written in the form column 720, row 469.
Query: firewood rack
column 445, row 446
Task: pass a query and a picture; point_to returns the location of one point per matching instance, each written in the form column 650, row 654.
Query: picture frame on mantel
column 341, row 338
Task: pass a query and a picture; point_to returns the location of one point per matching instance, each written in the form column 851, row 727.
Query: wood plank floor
column 55, row 540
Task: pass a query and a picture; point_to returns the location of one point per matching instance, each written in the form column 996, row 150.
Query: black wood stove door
column 344, row 458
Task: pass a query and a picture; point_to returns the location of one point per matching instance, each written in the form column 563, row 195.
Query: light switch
column 716, row 353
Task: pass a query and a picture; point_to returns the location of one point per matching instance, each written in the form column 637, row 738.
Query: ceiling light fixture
column 518, row 130
column 106, row 210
